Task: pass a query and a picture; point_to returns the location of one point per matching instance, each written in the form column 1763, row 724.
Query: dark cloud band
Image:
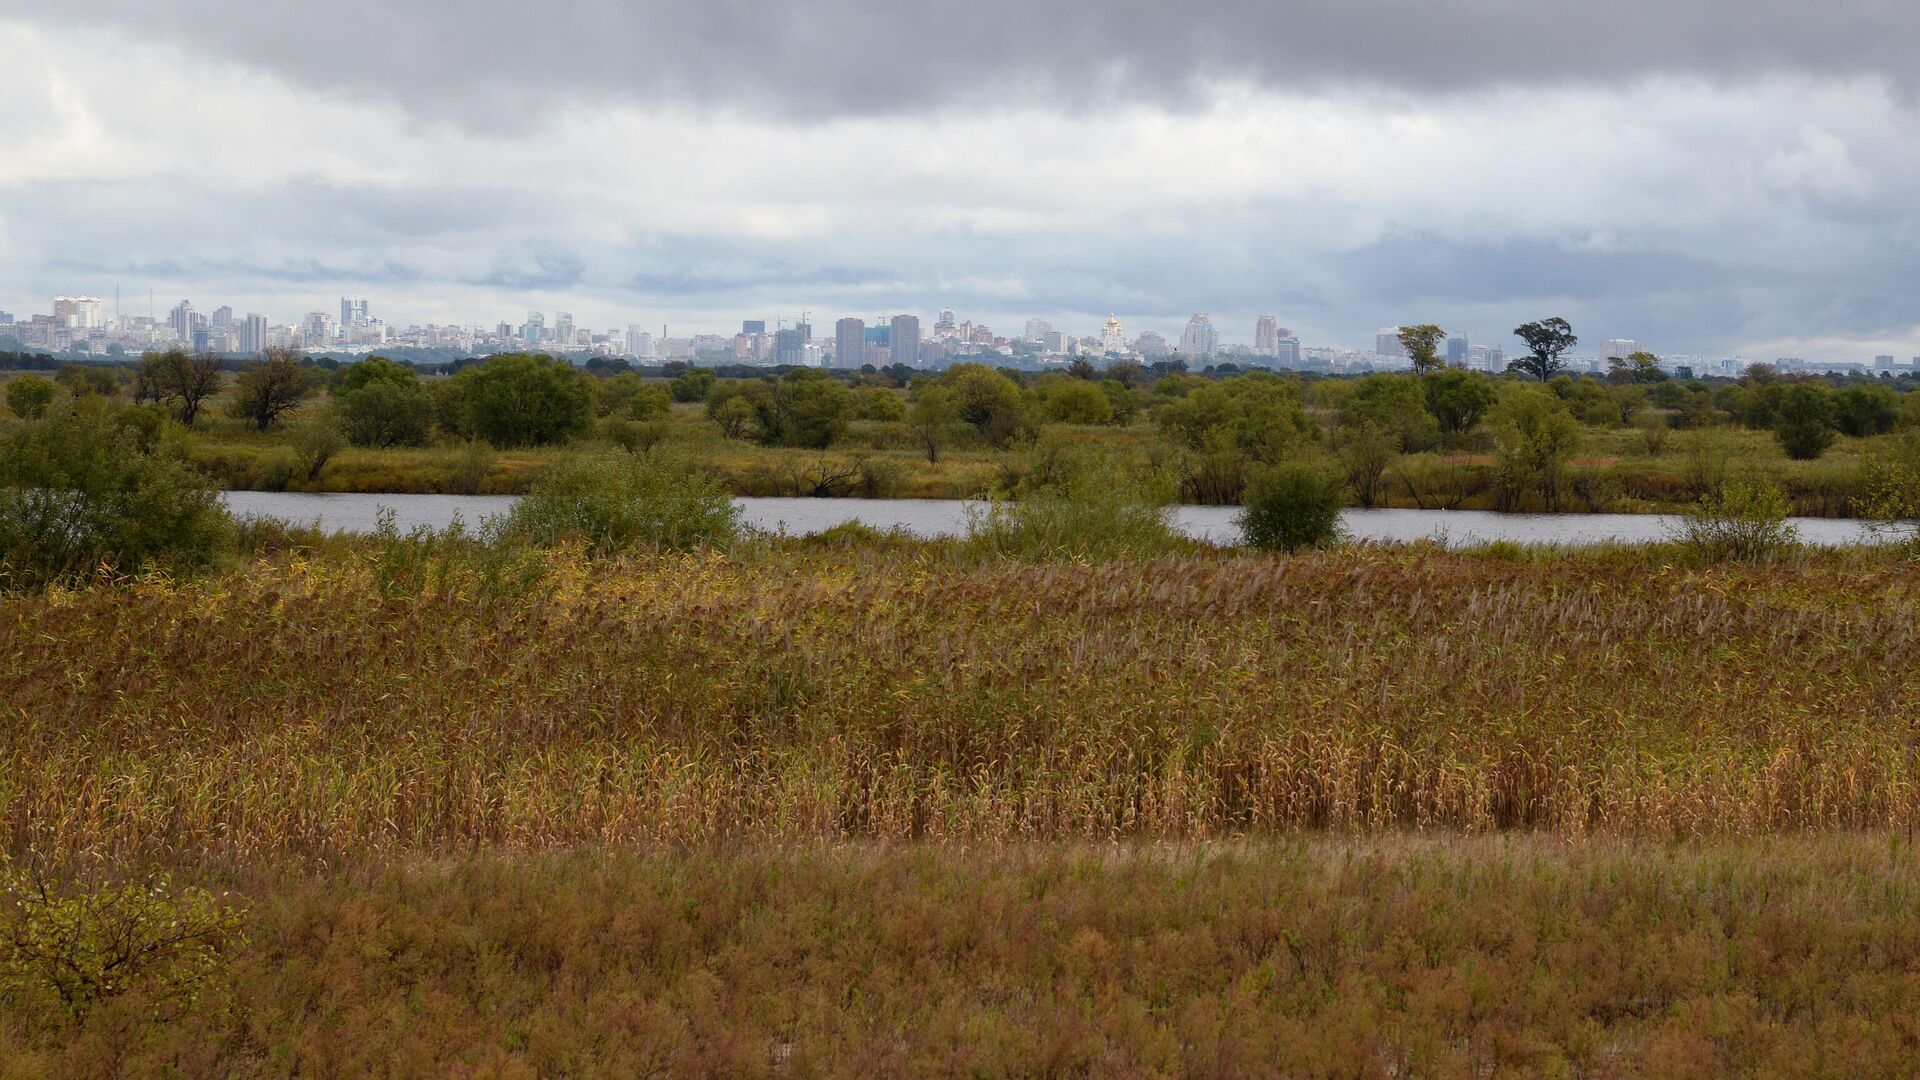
column 503, row 63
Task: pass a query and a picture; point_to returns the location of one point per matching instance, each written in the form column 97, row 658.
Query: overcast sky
column 1711, row 176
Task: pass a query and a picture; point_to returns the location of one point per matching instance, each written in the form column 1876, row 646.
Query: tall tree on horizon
column 1546, row 341
column 1422, row 343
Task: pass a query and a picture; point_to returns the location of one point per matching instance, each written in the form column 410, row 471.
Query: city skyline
column 79, row 324
column 1739, row 191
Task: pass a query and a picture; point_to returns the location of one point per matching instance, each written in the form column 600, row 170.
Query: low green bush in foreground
column 1746, row 518
column 1291, row 506
column 614, row 504
column 85, row 496
column 1079, row 507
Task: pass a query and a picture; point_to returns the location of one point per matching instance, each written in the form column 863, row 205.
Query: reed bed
column 306, row 708
column 1357, row 956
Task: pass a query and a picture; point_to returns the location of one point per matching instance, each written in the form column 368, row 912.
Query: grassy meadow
column 863, row 804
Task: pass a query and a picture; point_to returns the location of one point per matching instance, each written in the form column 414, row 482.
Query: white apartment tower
column 1200, row 338
column 1266, row 336
column 78, row 312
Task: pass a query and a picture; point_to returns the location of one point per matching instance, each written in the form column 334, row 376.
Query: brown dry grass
column 1453, row 957
column 291, row 710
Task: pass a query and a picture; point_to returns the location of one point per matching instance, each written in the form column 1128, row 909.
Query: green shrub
column 30, row 396
column 628, row 396
column 146, row 423
column 472, row 463
column 1746, row 518
column 694, row 385
column 480, row 566
column 313, row 446
column 1803, row 421
column 385, row 412
column 1534, row 437
column 620, row 504
column 1889, row 491
column 1066, row 400
column 635, row 436
column 1260, row 414
column 1293, row 505
column 518, row 400
column 1396, row 404
column 79, row 495
column 879, row 404
column 1866, row 410
column 84, row 945
column 1084, row 508
column 803, row 408
column 1458, row 399
column 374, row 369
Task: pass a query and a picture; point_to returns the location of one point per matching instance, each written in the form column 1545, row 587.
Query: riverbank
column 1615, row 473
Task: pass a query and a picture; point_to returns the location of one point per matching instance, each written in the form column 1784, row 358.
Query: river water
column 948, row 517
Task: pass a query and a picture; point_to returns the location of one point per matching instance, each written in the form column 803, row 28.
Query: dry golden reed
column 292, row 709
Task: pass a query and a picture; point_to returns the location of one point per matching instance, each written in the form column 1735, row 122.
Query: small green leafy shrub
column 82, row 945
column 621, row 504
column 1293, row 505
column 1078, row 507
column 479, row 566
column 80, row 495
column 1745, row 518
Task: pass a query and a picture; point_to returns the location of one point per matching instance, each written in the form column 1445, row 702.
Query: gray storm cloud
column 494, row 63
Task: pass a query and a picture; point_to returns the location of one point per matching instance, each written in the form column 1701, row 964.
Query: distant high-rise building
column 1151, row 343
column 905, row 343
column 181, row 319
column 253, row 333
column 1266, row 335
column 353, row 312
column 789, row 347
column 316, row 330
column 753, row 326
column 222, row 317
column 849, row 343
column 1037, row 329
column 6, row 318
column 1286, row 352
column 1620, row 347
column 1884, row 363
column 1200, row 338
column 78, row 312
column 202, row 339
column 944, row 326
column 534, row 329
column 639, row 342
column 1386, row 343
column 1457, row 347
column 563, row 329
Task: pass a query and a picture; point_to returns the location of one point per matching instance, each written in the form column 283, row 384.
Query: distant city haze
column 1718, row 181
